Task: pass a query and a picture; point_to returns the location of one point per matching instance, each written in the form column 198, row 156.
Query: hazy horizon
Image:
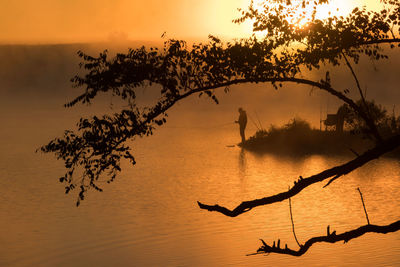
column 150, row 215
column 49, row 22
column 43, row 72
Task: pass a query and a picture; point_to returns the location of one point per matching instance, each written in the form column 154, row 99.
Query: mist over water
column 149, row 216
column 40, row 75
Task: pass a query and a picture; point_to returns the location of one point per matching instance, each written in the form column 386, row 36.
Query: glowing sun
column 299, row 14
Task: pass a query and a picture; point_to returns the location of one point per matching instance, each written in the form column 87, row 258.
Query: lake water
column 149, row 215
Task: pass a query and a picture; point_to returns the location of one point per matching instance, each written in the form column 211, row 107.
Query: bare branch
column 335, row 172
column 330, row 238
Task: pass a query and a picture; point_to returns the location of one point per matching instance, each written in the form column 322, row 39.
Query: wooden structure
column 336, row 120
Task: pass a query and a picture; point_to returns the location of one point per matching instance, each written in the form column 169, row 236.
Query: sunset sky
column 61, row 21
column 150, row 215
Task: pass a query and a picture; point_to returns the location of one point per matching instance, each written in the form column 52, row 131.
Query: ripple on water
column 149, row 216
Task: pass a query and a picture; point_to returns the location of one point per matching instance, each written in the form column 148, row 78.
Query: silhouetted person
column 242, row 123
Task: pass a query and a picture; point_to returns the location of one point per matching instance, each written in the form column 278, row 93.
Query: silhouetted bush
column 298, row 137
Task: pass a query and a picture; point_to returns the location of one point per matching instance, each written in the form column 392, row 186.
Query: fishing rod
column 200, row 127
column 251, row 119
column 258, row 120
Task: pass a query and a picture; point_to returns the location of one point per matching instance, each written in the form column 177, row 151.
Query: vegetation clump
column 299, row 138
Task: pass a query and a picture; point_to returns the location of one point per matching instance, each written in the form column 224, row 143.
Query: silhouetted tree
column 287, row 54
column 386, row 124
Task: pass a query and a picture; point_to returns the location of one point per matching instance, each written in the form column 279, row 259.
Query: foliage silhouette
column 387, row 124
column 288, row 53
column 298, row 138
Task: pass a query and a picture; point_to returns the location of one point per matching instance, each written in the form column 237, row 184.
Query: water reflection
column 242, row 163
column 149, row 216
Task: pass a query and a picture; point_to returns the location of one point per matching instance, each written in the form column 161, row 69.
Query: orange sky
column 65, row 21
column 46, row 21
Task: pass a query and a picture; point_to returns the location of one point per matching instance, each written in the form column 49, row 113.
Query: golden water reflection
column 149, row 216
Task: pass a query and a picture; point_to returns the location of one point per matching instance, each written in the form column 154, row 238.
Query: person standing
column 242, row 123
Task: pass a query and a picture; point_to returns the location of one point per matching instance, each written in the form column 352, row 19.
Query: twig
column 291, row 218
column 362, row 200
column 331, row 180
column 354, row 152
column 355, row 78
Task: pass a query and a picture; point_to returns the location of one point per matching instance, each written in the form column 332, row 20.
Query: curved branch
column 324, row 85
column 330, row 238
column 335, row 172
column 320, row 85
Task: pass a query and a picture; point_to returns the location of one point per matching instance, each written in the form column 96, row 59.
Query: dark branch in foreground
column 335, row 172
column 329, row 238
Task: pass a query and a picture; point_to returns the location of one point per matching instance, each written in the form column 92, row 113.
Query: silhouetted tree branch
column 288, row 53
column 329, row 238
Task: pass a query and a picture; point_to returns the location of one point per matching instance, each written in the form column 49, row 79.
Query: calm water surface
column 149, row 215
